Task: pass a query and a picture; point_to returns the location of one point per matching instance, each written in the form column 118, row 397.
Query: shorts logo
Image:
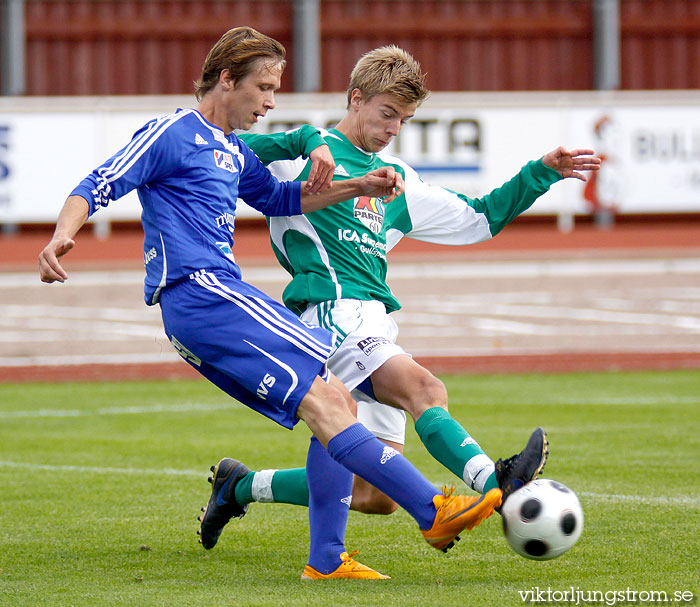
column 387, row 454
column 185, row 353
column 371, row 343
column 360, row 366
column 264, row 388
column 370, row 211
column 150, row 255
column 224, row 160
column 347, row 500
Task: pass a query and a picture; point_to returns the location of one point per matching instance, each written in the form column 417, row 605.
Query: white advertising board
column 468, row 142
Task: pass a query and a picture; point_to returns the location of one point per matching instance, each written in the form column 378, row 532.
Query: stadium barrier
column 469, row 142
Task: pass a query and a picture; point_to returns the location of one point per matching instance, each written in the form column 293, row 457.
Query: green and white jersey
column 340, row 252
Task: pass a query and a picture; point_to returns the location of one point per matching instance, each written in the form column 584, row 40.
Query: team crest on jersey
column 224, row 160
column 370, row 211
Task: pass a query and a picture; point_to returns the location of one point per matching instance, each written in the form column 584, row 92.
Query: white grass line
column 635, row 499
column 102, row 470
column 146, row 409
column 643, row 499
column 665, row 399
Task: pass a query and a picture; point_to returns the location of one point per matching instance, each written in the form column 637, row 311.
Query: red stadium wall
column 134, row 47
column 101, row 47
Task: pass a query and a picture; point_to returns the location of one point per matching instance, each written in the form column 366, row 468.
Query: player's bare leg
column 327, row 409
column 341, row 446
column 441, row 517
column 403, row 383
column 367, row 498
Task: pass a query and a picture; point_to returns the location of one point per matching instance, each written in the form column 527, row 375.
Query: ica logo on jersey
column 266, row 383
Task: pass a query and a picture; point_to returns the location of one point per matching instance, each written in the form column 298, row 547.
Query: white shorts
column 365, row 337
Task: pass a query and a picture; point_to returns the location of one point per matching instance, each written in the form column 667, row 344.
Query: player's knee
column 427, row 392
column 436, row 391
column 345, row 393
column 325, row 408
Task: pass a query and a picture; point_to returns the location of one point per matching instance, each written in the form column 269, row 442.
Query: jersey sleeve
column 441, row 216
column 295, row 143
column 150, row 155
column 264, row 192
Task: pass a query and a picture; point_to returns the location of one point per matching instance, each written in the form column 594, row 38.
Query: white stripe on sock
column 477, row 471
column 262, row 486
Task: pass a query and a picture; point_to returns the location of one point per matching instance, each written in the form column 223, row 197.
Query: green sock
column 290, row 487
column 279, row 486
column 243, row 491
column 450, row 444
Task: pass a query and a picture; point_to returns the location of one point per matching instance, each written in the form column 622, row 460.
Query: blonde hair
column 236, row 51
column 389, row 69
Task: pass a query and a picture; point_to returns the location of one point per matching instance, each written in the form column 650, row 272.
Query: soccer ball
column 542, row 519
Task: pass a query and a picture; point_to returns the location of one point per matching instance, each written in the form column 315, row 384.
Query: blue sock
column 330, row 492
column 359, row 450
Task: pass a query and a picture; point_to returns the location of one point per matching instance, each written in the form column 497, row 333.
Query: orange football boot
column 456, row 513
column 349, row 569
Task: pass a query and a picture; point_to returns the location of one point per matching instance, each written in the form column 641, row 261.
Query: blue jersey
column 188, row 176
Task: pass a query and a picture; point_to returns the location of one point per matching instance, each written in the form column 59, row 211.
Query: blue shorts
column 246, row 343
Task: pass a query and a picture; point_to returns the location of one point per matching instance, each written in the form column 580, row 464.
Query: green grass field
column 101, row 485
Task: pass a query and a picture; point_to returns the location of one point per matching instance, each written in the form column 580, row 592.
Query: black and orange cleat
column 523, row 467
column 456, row 513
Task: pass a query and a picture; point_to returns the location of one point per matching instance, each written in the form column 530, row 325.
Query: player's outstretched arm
column 570, row 163
column 71, row 218
column 384, row 183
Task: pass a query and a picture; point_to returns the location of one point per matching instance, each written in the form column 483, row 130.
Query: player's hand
column 384, row 183
column 50, row 269
column 569, row 163
column 321, row 173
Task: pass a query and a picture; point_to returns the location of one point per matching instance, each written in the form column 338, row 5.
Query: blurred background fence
column 621, row 76
column 512, row 79
column 143, row 47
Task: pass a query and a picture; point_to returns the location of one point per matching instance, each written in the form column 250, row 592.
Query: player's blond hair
column 389, row 70
column 236, row 51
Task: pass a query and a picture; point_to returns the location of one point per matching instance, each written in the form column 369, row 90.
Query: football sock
column 330, row 493
column 450, row 444
column 280, row 486
column 243, row 489
column 360, row 451
column 290, row 487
